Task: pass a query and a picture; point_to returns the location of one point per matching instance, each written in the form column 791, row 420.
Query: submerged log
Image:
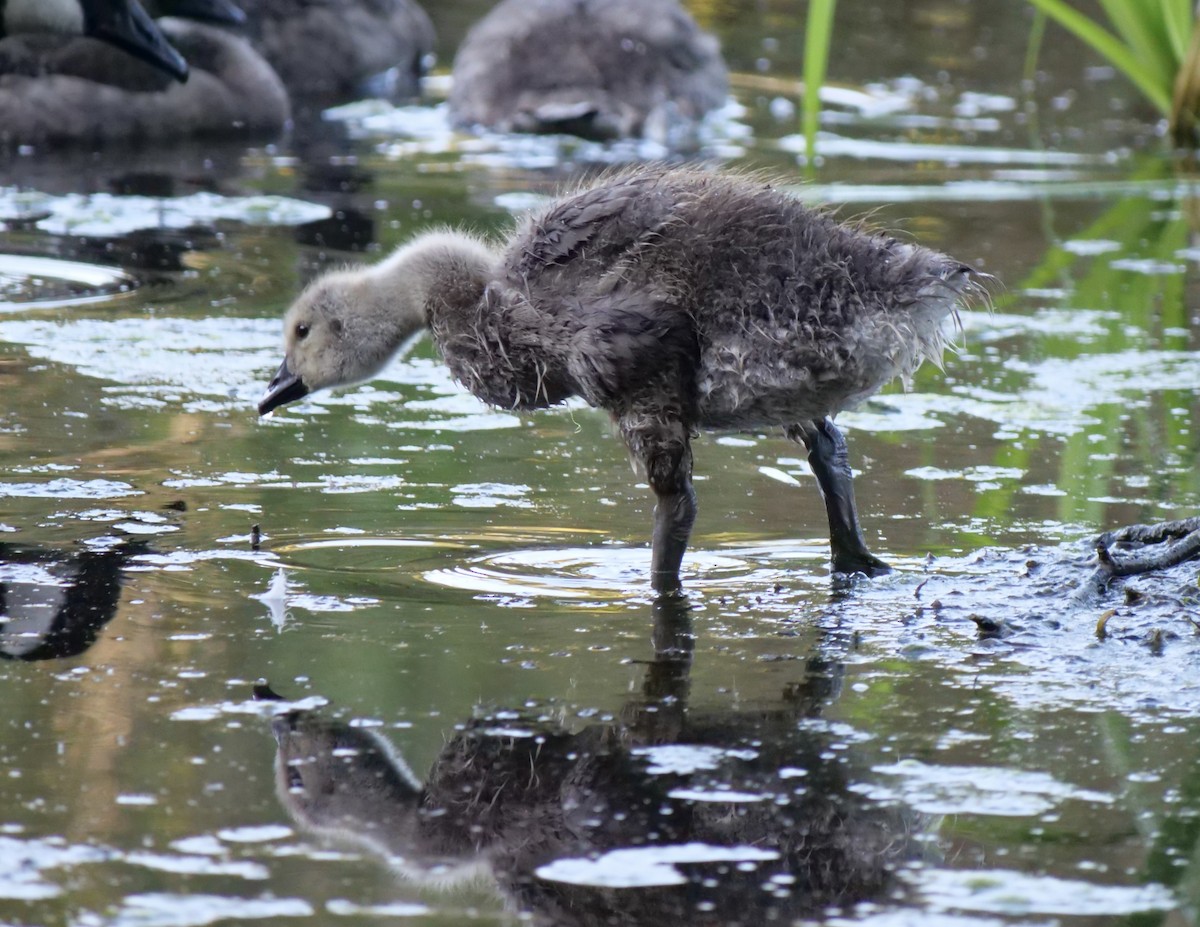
column 1137, row 549
column 1173, row 542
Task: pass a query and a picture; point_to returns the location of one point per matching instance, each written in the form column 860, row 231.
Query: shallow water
column 453, row 598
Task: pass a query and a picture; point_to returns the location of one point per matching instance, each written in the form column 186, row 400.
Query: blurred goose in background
column 56, row 90
column 122, row 23
column 330, row 49
column 594, row 68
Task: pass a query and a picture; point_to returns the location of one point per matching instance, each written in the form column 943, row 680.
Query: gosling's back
column 720, row 296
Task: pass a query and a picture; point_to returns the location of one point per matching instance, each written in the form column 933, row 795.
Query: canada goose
column 676, row 300
column 83, row 92
column 329, row 48
column 122, row 23
column 594, row 68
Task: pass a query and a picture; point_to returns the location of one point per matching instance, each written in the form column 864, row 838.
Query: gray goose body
column 720, row 296
column 595, row 68
column 676, row 300
column 328, row 49
column 121, row 23
column 60, row 91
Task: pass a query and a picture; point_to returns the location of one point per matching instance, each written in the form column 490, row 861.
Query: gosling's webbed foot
column 830, row 461
column 851, row 562
column 666, row 583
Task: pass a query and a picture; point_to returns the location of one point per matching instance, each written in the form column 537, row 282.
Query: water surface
column 483, row 715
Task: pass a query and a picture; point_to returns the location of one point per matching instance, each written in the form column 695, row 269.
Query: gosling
column 599, row 69
column 676, row 300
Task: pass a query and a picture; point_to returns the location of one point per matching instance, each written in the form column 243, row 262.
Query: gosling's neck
column 434, row 275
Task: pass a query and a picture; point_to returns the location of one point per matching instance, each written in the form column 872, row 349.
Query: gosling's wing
column 600, row 224
column 630, row 343
column 577, row 269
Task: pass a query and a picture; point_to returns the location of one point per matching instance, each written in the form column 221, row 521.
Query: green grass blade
column 1118, row 54
column 1134, row 24
column 1140, row 24
column 1179, row 22
column 1185, row 103
column 818, row 36
column 1037, row 32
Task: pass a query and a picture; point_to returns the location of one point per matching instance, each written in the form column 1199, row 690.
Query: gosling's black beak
column 125, row 24
column 284, row 387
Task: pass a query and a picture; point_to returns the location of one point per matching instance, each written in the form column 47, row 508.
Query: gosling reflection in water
column 663, row 816
column 53, row 603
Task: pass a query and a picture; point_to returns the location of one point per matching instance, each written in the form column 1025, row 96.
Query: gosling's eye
column 301, row 331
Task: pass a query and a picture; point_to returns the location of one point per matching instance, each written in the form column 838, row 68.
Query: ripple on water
column 359, row 553
column 1059, row 396
column 607, row 572
column 1004, row 187
column 106, row 215
column 565, row 573
column 63, row 488
column 258, row 708
column 165, row 909
column 687, row 759
column 22, row 863
column 645, row 867
column 415, row 131
column 28, row 282
column 838, row 146
column 1007, row 892
column 936, row 789
column 159, row 361
column 491, row 495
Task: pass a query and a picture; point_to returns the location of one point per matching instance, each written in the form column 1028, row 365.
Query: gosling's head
column 347, row 324
column 342, row 329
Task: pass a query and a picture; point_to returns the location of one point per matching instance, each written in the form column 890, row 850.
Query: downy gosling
column 673, row 298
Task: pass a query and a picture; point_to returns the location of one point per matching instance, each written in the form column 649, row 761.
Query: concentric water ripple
column 29, row 282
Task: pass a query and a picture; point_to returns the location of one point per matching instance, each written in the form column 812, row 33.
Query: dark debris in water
column 988, row 627
column 1162, row 556
column 1041, row 612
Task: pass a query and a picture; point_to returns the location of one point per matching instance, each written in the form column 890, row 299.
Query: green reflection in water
column 1132, row 266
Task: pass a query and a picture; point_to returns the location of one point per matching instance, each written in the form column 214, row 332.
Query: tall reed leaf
column 818, row 36
column 1179, row 26
column 1145, row 33
column 1141, row 55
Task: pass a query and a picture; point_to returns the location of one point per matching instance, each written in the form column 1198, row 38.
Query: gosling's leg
column 665, row 451
column 659, row 715
column 830, row 462
column 674, row 514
